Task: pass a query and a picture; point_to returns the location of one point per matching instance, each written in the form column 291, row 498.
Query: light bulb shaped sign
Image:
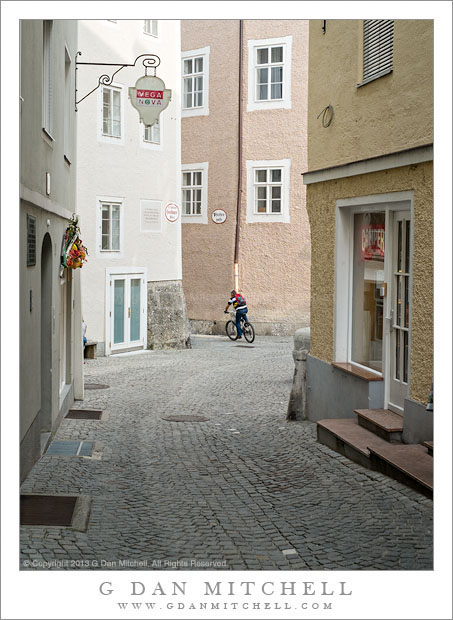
column 149, row 97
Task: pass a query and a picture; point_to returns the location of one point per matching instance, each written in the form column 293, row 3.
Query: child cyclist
column 240, row 305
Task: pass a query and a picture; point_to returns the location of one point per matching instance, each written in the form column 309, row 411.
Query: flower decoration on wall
column 73, row 252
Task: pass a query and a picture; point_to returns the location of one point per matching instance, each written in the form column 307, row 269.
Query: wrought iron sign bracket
column 150, row 61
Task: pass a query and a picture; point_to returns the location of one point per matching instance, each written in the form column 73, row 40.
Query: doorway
column 46, row 334
column 373, row 291
column 127, row 312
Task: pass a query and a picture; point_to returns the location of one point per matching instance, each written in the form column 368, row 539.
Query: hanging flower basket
column 73, row 252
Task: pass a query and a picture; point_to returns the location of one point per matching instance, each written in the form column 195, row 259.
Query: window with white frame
column 150, row 27
column 269, row 73
column 268, row 191
column 110, row 226
column 192, row 185
column 195, row 82
column 194, row 193
column 111, row 112
column 377, row 49
column 47, row 90
column 152, row 134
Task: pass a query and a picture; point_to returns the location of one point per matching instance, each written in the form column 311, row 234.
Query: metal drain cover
column 185, row 418
column 84, row 414
column 46, row 510
column 96, row 386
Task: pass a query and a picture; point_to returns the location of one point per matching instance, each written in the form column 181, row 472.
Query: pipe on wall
column 239, row 191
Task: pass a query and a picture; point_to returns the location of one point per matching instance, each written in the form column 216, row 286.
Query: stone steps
column 430, row 446
column 381, row 422
column 372, row 441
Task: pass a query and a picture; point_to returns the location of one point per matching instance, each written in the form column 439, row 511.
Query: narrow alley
column 231, row 486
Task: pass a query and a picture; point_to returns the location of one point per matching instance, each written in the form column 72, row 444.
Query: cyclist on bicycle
column 240, row 305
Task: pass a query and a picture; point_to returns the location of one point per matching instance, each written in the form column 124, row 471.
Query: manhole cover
column 96, row 386
column 46, row 510
column 84, row 414
column 185, row 418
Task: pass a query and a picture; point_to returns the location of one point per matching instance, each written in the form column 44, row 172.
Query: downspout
column 239, row 192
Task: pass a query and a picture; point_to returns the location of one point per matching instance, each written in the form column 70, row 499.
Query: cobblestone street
column 243, row 489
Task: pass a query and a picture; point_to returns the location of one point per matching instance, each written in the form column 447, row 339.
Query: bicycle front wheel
column 249, row 332
column 231, row 330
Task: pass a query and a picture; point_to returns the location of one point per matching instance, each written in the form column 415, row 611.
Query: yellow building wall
column 321, row 206
column 390, row 114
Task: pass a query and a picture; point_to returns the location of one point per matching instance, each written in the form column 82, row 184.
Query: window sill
column 374, row 77
column 358, row 371
column 47, row 136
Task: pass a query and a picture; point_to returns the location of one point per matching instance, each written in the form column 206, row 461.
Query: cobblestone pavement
column 243, row 490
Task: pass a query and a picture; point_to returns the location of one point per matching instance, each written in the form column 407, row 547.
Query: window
column 377, row 49
column 47, row 88
column 69, row 107
column 111, row 112
column 194, row 193
column 150, row 27
column 191, row 192
column 152, row 134
column 110, row 227
column 195, row 86
column 268, row 191
column 269, row 74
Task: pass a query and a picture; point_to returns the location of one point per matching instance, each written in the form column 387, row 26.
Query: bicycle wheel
column 249, row 332
column 231, row 330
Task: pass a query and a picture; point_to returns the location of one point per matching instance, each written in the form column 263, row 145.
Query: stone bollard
column 297, row 406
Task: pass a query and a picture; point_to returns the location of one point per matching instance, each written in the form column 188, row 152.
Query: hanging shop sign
column 149, row 97
column 73, row 252
column 372, row 242
column 219, row 216
column 172, row 212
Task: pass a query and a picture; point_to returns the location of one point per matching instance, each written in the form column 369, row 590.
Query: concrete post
column 297, row 406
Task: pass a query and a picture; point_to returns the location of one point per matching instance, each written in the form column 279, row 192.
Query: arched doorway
column 46, row 334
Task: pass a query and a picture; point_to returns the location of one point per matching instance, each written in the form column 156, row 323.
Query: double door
column 127, row 312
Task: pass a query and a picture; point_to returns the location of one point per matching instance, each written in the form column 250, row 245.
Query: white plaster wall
column 127, row 170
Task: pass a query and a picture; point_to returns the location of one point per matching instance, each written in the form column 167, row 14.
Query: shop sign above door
column 149, row 97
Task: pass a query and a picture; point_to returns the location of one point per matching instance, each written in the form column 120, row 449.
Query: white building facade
column 129, row 189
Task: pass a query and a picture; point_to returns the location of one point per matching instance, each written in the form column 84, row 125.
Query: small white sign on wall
column 172, row 212
column 219, row 216
column 150, row 216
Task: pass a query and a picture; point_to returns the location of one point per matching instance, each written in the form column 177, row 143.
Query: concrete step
column 382, row 422
column 407, row 463
column 430, row 446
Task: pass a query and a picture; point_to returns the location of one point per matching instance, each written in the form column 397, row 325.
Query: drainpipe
column 239, row 192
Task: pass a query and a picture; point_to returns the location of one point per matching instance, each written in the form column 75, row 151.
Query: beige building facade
column 244, row 140
column 370, row 203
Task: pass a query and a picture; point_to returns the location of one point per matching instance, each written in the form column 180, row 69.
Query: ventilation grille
column 31, row 240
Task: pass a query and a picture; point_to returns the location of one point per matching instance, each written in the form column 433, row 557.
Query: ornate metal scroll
column 150, row 61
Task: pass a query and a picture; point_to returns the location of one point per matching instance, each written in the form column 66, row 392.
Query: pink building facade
column 244, row 149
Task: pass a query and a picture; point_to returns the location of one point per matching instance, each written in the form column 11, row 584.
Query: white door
column 127, row 312
column 399, row 311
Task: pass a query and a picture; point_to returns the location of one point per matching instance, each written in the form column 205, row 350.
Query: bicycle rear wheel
column 249, row 332
column 231, row 330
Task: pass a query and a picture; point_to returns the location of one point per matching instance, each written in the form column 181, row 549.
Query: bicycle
column 247, row 328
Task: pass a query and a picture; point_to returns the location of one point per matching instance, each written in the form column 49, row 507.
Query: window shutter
column 377, row 48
